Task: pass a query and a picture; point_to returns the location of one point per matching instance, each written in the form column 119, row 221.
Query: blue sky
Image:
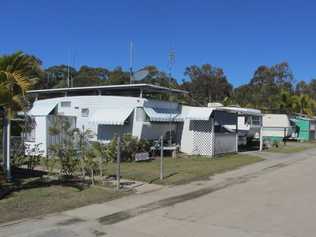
column 236, row 35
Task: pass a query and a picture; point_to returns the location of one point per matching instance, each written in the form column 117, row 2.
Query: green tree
column 18, row 73
column 90, row 76
column 207, row 84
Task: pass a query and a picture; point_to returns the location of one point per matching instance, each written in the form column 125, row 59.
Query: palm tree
column 304, row 104
column 18, row 72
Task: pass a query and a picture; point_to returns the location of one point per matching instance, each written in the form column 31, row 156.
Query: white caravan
column 276, row 127
column 105, row 115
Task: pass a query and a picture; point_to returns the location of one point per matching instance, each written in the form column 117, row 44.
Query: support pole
column 4, row 145
column 237, row 137
column 161, row 159
column 118, row 163
column 8, row 165
column 261, row 139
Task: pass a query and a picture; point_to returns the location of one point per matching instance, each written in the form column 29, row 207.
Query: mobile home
column 105, row 115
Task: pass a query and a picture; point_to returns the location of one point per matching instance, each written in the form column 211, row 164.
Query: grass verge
column 182, row 170
column 44, row 199
column 292, row 147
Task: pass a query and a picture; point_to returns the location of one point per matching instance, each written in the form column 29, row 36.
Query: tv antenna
column 139, row 74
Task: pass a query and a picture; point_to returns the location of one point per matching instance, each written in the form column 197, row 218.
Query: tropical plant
column 18, row 73
column 64, row 149
column 100, row 151
column 82, row 139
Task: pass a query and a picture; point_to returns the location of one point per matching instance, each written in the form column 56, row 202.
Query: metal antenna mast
column 171, row 61
column 131, row 61
column 68, row 70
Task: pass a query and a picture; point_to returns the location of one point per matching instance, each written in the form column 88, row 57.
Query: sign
column 142, row 156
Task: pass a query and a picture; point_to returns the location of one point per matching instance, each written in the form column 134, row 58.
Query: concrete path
column 273, row 198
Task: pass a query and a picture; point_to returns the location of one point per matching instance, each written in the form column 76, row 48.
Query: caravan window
column 85, row 112
column 65, row 104
column 256, row 120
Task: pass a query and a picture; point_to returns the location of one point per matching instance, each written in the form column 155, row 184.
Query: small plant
column 65, row 150
column 275, row 144
column 100, row 151
column 50, row 164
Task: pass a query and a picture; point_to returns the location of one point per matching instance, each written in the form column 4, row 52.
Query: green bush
column 129, row 147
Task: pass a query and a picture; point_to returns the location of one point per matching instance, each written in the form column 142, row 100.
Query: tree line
column 273, row 89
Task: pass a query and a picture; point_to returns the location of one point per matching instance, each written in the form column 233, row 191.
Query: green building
column 304, row 128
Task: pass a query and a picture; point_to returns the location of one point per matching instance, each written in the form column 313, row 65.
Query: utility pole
column 131, row 59
column 161, row 159
column 171, row 61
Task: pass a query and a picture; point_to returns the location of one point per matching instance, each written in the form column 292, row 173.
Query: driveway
column 274, row 198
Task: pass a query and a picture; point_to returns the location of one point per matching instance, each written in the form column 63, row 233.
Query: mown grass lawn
column 35, row 197
column 292, row 147
column 35, row 201
column 182, row 170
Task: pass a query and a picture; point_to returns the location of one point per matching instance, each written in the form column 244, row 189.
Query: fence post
column 118, row 162
column 161, row 158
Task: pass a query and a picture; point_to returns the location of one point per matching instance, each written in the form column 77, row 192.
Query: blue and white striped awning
column 111, row 116
column 162, row 115
column 42, row 108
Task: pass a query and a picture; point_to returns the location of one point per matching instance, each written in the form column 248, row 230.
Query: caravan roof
column 243, row 111
column 128, row 89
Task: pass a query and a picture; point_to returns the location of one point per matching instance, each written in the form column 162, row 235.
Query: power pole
column 131, row 61
column 161, row 159
column 171, row 61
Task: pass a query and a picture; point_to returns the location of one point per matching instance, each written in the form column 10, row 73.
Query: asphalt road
column 276, row 200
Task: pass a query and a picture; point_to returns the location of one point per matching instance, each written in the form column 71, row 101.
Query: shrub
column 129, row 147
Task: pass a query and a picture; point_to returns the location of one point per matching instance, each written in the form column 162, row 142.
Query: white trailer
column 105, row 114
column 276, row 127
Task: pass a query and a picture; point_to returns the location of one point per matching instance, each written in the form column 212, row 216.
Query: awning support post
column 261, row 139
column 237, row 137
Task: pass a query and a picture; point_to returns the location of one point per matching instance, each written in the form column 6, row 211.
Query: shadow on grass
column 251, row 146
column 25, row 179
column 165, row 177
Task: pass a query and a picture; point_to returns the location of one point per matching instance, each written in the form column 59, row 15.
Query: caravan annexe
column 249, row 123
column 107, row 115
